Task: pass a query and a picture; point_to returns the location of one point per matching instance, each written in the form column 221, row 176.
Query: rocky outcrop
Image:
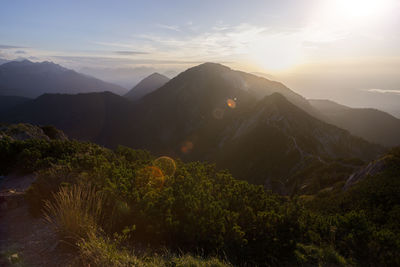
column 24, row 131
column 371, row 169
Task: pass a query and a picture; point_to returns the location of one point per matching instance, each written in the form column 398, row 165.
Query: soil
column 26, row 240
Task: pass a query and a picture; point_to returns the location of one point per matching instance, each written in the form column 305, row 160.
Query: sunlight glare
column 166, row 164
column 231, row 103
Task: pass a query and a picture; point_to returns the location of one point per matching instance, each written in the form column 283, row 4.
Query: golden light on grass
column 75, row 210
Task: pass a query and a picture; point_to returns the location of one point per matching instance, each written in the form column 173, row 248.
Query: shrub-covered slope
column 134, row 200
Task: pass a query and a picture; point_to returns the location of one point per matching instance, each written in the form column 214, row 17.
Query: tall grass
column 75, row 211
column 97, row 250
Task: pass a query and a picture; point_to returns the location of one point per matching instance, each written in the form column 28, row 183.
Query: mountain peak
column 212, row 66
column 155, row 74
column 147, row 85
column 32, row 79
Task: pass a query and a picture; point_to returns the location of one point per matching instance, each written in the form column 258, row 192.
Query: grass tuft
column 75, row 211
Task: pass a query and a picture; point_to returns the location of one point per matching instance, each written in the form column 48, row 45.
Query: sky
column 344, row 50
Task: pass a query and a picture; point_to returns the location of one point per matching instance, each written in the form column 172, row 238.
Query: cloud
column 383, row 91
column 105, row 60
column 169, row 27
column 262, row 46
column 9, row 46
column 129, row 53
column 20, row 52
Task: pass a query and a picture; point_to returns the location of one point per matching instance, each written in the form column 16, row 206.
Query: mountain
column 244, row 123
column 29, row 79
column 8, row 102
column 2, row 61
column 87, row 116
column 258, row 129
column 146, row 86
column 373, row 125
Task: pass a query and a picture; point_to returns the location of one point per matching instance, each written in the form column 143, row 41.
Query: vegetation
column 125, row 207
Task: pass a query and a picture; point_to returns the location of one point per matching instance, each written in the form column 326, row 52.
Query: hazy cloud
column 129, row 53
column 169, row 27
column 9, row 46
column 384, row 91
column 94, row 59
column 20, row 52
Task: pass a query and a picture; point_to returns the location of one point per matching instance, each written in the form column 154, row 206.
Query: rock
column 371, row 169
column 11, row 199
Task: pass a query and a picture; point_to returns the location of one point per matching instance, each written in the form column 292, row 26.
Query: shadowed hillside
column 373, row 125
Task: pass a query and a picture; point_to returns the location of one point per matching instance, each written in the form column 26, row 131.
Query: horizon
column 346, row 51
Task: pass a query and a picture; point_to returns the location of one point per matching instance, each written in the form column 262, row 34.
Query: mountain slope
column 29, row 79
column 206, row 113
column 90, row 116
column 259, row 139
column 146, row 86
column 277, row 139
column 373, row 125
column 2, row 61
column 8, row 102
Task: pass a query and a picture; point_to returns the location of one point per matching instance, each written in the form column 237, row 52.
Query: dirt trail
column 25, row 240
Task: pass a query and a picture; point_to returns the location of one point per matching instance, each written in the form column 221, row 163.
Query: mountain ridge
column 29, row 79
column 371, row 124
column 146, row 86
column 201, row 115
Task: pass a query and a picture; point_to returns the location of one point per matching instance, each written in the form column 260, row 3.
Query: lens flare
column 231, row 103
column 218, row 113
column 166, row 165
column 187, row 147
column 152, row 176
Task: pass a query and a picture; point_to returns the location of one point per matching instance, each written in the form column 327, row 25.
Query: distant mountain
column 29, row 79
column 254, row 127
column 89, row 116
column 8, row 102
column 2, row 61
column 373, row 125
column 146, row 86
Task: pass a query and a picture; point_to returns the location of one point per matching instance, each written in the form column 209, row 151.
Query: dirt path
column 25, row 240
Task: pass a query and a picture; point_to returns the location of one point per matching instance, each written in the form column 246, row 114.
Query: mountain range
column 257, row 128
column 146, row 86
column 30, row 79
column 371, row 124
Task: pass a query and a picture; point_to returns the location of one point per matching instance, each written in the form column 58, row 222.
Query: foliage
column 91, row 193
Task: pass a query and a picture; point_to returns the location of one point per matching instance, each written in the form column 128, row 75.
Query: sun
column 354, row 11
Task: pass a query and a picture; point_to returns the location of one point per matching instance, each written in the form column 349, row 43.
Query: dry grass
column 96, row 250
column 75, row 211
